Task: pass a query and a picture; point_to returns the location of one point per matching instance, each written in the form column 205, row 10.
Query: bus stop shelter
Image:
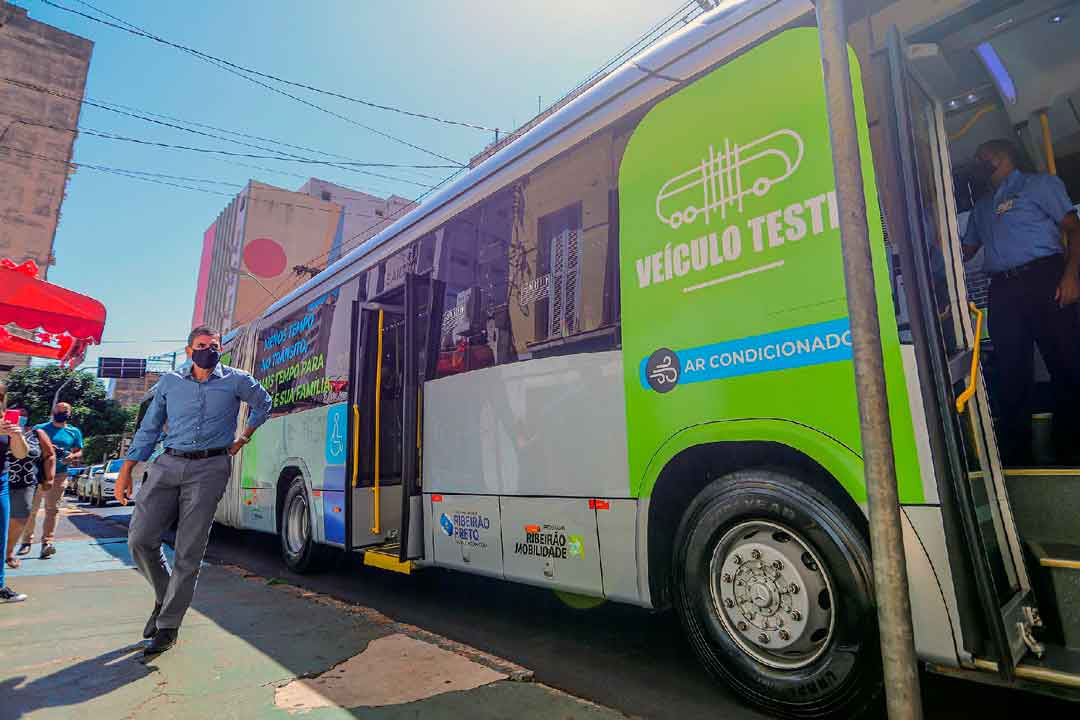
column 41, row 319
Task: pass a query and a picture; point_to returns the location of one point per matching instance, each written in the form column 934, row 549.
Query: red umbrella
column 45, row 320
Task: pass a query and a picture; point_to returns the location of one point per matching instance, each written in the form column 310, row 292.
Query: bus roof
column 646, row 65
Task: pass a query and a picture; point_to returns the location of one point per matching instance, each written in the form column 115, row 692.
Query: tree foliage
column 94, row 414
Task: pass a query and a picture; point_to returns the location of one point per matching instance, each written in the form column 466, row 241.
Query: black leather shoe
column 164, row 639
column 151, row 624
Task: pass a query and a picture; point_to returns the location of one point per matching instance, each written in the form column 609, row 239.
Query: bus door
column 374, row 453
column 388, row 367
column 948, row 328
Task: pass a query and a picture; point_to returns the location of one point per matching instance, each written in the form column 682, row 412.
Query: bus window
column 471, row 258
column 561, row 284
column 302, row 354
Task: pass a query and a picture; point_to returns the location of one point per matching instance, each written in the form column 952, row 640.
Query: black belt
column 1019, row 270
column 196, row 454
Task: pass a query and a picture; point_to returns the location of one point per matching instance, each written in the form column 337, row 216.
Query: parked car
column 88, row 481
column 79, row 482
column 73, row 474
column 105, row 484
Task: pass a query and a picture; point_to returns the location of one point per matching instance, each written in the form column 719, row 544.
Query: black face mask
column 61, row 417
column 206, row 358
column 984, row 170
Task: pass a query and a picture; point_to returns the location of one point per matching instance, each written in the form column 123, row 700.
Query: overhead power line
column 128, row 27
column 245, row 73
column 650, row 36
column 351, row 166
column 643, row 41
column 177, row 181
column 173, row 146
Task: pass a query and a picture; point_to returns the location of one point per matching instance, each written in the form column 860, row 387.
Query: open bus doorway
column 993, row 70
column 1011, row 76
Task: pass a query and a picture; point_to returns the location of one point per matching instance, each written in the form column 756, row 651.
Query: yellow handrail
column 1048, row 143
column 962, row 400
column 356, row 445
column 376, row 527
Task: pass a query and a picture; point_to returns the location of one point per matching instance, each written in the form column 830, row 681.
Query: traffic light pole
column 902, row 693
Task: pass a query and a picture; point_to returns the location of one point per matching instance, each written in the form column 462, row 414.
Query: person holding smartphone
column 68, row 442
column 25, row 477
column 12, row 447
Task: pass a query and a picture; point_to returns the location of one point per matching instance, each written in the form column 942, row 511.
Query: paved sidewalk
column 250, row 648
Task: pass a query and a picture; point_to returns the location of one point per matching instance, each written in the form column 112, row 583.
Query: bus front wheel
column 298, row 547
column 773, row 583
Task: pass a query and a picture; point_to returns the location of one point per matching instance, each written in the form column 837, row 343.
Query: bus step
column 386, row 558
column 1059, row 579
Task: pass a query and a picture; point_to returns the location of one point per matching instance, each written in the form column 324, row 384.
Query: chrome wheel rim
column 772, row 594
column 296, row 525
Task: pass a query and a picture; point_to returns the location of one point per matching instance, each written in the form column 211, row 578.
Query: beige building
column 42, row 80
column 269, row 240
column 130, row 391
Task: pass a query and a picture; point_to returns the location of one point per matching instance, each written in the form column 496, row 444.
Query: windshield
column 114, row 466
column 99, row 470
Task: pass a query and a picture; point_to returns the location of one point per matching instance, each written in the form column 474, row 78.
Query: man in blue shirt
column 68, row 441
column 185, row 483
column 1034, row 284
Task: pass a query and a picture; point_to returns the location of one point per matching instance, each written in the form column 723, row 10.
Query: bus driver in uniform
column 186, row 482
column 1034, row 285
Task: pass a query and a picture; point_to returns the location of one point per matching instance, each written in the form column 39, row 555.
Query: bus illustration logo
column 662, row 370
column 447, row 526
column 718, row 181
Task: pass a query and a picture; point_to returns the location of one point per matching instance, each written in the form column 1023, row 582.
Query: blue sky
column 135, row 246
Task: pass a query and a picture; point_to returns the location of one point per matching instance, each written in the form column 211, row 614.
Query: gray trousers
column 185, row 491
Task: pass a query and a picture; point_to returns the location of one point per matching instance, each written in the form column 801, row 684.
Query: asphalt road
column 615, row 655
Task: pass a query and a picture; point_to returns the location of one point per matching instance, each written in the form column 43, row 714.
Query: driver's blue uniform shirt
column 1019, row 222
column 200, row 415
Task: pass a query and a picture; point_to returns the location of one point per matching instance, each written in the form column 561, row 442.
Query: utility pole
column 903, row 697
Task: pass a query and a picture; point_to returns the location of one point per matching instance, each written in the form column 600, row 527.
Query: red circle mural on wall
column 265, row 258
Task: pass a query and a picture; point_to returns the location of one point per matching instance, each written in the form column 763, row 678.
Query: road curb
column 512, row 671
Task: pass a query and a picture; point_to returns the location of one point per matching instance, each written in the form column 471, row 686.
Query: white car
column 139, row 472
column 104, row 485
column 87, row 491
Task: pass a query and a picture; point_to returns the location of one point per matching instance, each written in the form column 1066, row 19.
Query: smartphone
column 12, row 416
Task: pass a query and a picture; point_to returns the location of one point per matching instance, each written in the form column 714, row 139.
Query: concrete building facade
column 42, row 80
column 269, row 240
column 130, row 391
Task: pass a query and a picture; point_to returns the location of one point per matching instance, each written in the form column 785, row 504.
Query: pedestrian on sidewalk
column 184, row 484
column 68, row 443
column 25, row 476
column 12, row 446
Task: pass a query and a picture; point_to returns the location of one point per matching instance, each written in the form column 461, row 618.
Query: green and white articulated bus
column 614, row 360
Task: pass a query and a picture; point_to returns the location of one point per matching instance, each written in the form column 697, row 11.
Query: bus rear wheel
column 773, row 584
column 298, row 548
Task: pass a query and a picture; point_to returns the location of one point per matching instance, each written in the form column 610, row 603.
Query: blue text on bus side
column 290, row 331
column 815, row 344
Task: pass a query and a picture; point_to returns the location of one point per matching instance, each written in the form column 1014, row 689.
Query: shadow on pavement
column 624, row 657
column 74, row 684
